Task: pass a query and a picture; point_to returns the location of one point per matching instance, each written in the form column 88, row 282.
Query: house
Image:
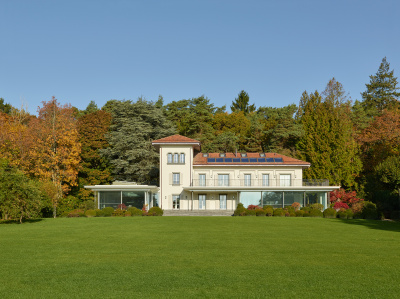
column 192, row 180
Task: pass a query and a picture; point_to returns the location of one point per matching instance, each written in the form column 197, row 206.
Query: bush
column 118, row 213
column 268, row 207
column 292, row 214
column 296, row 206
column 279, row 212
column 357, row 209
column 369, row 210
column 90, row 213
column 250, row 212
column 76, row 213
column 290, row 209
column 330, row 213
column 349, row 213
column 269, row 211
column 87, row 205
column 260, row 212
column 317, row 206
column 240, row 210
column 122, row 206
column 299, row 213
column 135, row 211
column 342, row 214
column 155, row 211
column 305, row 209
column 340, row 205
column 315, row 213
column 107, row 212
column 253, row 207
column 99, row 213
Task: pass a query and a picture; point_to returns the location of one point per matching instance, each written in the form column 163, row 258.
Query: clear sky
column 80, row 51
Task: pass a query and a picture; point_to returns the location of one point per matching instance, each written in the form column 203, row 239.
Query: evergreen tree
column 241, row 103
column 4, row 107
column 382, row 91
column 134, row 126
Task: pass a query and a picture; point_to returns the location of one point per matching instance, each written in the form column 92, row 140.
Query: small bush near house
column 268, row 207
column 155, row 211
column 253, row 207
column 90, row 213
column 99, row 213
column 240, row 210
column 108, row 211
column 357, row 209
column 330, row 213
column 340, row 205
column 76, row 213
column 279, row 212
column 315, row 213
column 250, row 212
column 350, row 214
column 317, row 206
column 135, row 211
column 260, row 212
column 87, row 205
column 290, row 209
column 118, row 213
column 269, row 211
column 296, row 206
column 299, row 213
column 122, row 206
column 305, row 209
column 370, row 211
column 292, row 214
column 342, row 214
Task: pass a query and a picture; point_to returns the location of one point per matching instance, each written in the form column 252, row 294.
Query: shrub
column 260, row 212
column 305, row 209
column 107, row 212
column 240, row 210
column 269, row 211
column 76, row 213
column 317, row 206
column 279, row 212
column 90, row 213
column 369, row 210
column 122, row 206
column 357, row 209
column 349, row 213
column 340, row 205
column 315, row 213
column 341, row 195
column 299, row 213
column 330, row 213
column 99, row 213
column 87, row 205
column 155, row 211
column 268, row 207
column 253, row 207
column 118, row 213
column 296, row 206
column 292, row 214
column 250, row 212
column 342, row 214
column 135, row 211
column 290, row 209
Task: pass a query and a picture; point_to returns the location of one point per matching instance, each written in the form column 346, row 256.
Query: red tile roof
column 176, row 139
column 199, row 159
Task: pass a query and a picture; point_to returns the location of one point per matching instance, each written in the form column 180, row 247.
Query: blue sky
column 80, row 51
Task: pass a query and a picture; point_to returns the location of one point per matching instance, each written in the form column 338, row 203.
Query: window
column 175, row 202
column 205, row 155
column 202, row 201
column 265, row 179
column 243, row 155
column 222, row 201
column 176, row 157
column 223, row 180
column 176, row 178
column 182, row 158
column 262, row 154
column 222, row 155
column 247, row 179
column 202, row 180
column 284, row 180
column 169, row 159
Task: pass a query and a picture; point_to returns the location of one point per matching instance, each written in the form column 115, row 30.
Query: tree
column 382, row 91
column 241, row 103
column 388, row 173
column 20, row 197
column 328, row 142
column 4, row 107
column 134, row 126
column 55, row 153
column 93, row 169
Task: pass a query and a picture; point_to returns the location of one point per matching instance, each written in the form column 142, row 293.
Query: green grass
column 240, row 257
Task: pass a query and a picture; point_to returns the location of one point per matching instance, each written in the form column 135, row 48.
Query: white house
column 192, row 180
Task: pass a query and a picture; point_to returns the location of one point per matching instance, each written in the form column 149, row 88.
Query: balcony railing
column 258, row 183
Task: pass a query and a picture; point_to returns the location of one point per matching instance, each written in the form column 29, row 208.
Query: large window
column 128, row 198
column 133, row 198
column 175, row 202
column 291, row 197
column 223, row 180
column 251, row 198
column 222, row 201
column 315, row 197
column 182, row 158
column 284, row 180
column 202, row 201
column 265, row 179
column 247, row 179
column 176, row 158
column 169, row 158
column 274, row 199
column 176, row 179
column 202, row 180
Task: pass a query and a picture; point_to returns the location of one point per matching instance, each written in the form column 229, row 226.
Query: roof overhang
column 123, row 188
column 195, row 145
column 263, row 188
column 252, row 165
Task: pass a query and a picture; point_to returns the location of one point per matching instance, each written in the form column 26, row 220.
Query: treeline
column 355, row 145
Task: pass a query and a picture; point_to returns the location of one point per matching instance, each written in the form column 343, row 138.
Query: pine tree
column 382, row 91
column 241, row 103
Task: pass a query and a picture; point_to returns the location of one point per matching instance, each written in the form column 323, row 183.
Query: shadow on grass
column 17, row 221
column 393, row 226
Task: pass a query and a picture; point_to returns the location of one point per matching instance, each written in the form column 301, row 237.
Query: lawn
column 138, row 257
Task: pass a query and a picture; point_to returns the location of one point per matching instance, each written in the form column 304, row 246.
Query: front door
column 202, row 202
column 222, row 201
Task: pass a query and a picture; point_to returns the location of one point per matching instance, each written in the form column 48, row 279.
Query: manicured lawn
column 200, row 257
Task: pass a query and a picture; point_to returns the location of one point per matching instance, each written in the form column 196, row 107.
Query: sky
column 82, row 51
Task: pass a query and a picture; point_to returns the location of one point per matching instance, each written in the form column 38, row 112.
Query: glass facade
column 315, row 197
column 133, row 199
column 271, row 198
column 291, row 197
column 114, row 198
column 250, row 198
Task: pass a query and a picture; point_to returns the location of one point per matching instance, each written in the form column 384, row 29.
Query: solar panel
column 270, row 159
column 278, row 160
column 261, row 159
column 210, row 159
column 219, row 160
column 253, row 160
column 228, row 159
column 236, row 160
column 245, row 159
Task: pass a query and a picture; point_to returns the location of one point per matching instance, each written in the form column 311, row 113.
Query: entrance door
column 222, row 201
column 202, row 202
column 175, row 202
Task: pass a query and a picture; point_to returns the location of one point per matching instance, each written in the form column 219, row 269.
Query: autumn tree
column 241, row 103
column 133, row 128
column 328, row 142
column 56, row 149
column 382, row 91
column 93, row 169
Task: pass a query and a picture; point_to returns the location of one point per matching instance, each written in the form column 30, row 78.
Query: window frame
column 178, row 176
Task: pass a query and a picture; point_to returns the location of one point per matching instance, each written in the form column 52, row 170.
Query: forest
column 46, row 160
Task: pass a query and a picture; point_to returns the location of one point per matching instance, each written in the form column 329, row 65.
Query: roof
column 177, row 139
column 249, row 159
